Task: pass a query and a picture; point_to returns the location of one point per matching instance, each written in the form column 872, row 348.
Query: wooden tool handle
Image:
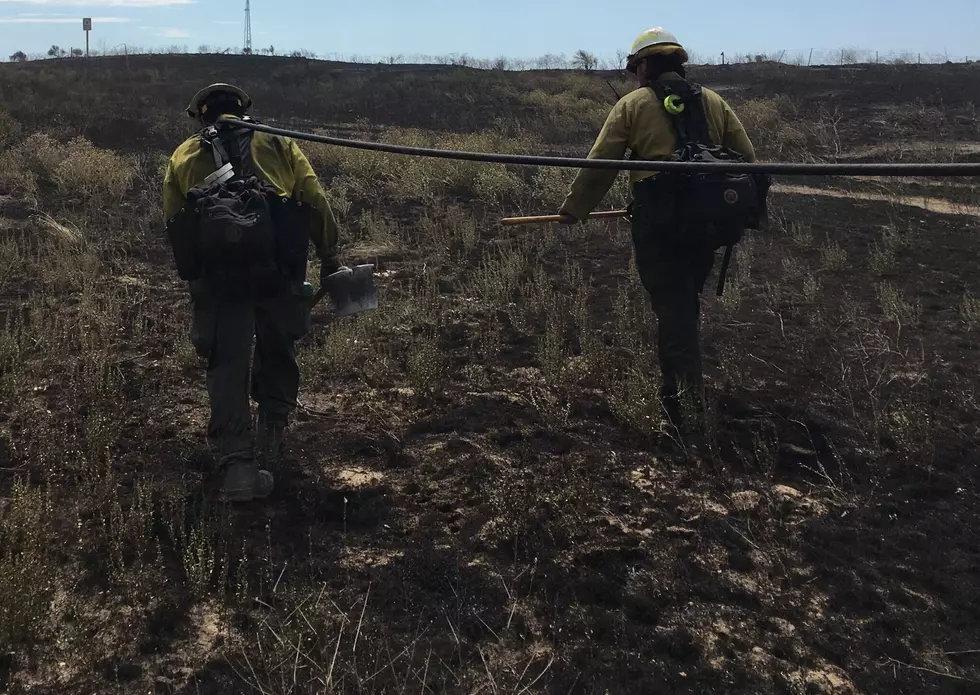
column 544, row 219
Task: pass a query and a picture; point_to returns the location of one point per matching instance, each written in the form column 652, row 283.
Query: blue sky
column 490, row 28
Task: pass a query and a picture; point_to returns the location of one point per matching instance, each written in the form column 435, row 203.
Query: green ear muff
column 674, row 105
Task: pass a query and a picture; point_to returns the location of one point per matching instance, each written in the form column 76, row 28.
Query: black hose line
column 785, row 168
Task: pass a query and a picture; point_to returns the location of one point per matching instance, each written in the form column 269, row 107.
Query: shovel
column 351, row 291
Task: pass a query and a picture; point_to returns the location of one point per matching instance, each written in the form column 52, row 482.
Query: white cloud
column 62, row 20
column 174, row 33
column 99, row 3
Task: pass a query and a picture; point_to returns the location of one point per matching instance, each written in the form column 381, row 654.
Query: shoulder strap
column 684, row 103
column 231, row 146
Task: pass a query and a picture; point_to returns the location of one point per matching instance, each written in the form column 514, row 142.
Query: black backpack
column 237, row 231
column 702, row 209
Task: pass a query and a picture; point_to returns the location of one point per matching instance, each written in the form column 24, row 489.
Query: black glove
column 329, row 266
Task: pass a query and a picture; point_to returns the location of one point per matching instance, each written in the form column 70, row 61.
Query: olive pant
column 222, row 332
column 674, row 275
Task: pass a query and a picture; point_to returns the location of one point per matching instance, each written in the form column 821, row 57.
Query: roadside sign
column 86, row 27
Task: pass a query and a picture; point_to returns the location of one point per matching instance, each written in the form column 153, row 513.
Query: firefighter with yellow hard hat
column 241, row 209
column 673, row 268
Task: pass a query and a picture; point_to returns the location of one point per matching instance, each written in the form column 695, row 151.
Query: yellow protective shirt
column 278, row 160
column 639, row 123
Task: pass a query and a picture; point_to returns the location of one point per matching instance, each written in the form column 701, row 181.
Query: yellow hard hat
column 652, row 42
column 194, row 108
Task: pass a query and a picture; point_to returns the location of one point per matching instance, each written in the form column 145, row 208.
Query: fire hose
column 930, row 169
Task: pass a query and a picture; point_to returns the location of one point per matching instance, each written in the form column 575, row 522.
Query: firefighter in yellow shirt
column 253, row 288
column 673, row 275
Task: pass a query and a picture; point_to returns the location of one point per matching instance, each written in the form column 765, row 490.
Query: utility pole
column 247, row 50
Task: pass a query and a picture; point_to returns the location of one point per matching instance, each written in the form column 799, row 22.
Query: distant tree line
column 581, row 60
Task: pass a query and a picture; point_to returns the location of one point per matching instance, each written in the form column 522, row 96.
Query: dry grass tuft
column 92, row 173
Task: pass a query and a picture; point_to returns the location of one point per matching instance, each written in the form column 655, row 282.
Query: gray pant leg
column 280, row 321
column 222, row 334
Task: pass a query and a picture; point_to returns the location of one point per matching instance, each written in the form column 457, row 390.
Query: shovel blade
column 354, row 290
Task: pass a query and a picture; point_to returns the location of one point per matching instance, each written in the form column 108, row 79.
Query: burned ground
column 479, row 495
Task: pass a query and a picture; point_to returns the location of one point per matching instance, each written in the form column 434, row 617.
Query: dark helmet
column 197, row 105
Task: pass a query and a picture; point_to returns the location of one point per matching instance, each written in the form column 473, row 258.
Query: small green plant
column 970, row 311
column 489, row 341
column 339, row 196
column 130, row 537
column 732, row 298
column 461, row 229
column 500, row 274
column 426, row 365
column 540, row 295
column 811, row 288
column 884, row 252
column 744, row 261
column 912, row 424
column 552, row 349
column 793, row 267
column 883, row 259
column 897, row 238
column 27, row 565
column 550, row 185
column 632, row 318
column 833, row 257
column 634, row 398
column 896, row 307
column 344, row 345
column 375, row 229
column 801, row 232
column 201, row 559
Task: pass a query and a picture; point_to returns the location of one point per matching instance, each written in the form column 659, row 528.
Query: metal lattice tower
column 248, row 28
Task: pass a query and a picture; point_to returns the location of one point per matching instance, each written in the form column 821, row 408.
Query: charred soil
column 479, row 494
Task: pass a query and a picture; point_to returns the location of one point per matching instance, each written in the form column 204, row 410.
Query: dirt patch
column 915, row 151
column 359, row 477
column 931, row 204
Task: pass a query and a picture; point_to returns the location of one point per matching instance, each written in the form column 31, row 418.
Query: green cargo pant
column 223, row 331
column 674, row 276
